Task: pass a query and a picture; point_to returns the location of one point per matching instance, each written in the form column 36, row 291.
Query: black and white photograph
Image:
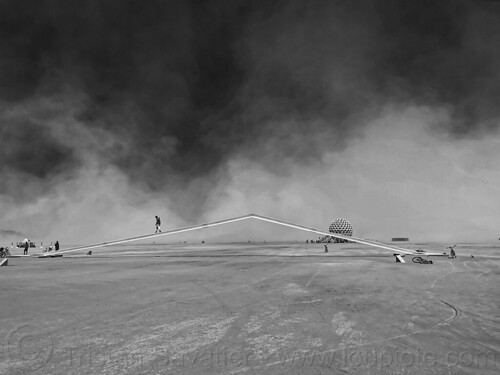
column 249, row 187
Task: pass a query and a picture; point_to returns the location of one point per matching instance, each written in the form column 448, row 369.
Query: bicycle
column 4, row 253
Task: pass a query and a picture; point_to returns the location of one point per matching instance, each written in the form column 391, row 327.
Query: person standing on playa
column 26, row 247
column 453, row 255
column 326, row 249
column 158, row 224
column 56, row 246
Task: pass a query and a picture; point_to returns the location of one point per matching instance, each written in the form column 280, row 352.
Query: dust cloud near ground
column 114, row 112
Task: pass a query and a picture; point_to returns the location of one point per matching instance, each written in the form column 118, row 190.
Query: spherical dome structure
column 342, row 227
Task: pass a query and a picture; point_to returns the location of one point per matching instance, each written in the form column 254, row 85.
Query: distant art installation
column 340, row 226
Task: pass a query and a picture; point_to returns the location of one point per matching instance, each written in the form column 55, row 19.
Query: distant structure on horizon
column 400, row 239
column 338, row 226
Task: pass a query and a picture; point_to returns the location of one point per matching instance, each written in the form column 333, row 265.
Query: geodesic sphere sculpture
column 341, row 226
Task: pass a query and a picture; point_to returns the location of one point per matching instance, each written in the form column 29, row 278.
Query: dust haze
column 383, row 113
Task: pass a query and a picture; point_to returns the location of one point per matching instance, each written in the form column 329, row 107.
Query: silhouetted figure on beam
column 158, row 224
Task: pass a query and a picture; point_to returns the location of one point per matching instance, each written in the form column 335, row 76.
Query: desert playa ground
column 251, row 309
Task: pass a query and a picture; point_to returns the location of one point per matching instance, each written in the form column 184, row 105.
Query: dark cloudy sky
column 384, row 112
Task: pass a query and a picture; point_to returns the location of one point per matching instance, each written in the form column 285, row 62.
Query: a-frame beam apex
column 233, row 220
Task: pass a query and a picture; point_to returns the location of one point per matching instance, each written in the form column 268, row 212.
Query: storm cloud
column 164, row 95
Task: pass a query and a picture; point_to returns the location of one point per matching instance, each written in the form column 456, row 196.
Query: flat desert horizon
column 251, row 308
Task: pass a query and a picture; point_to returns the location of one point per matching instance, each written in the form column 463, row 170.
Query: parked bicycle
column 4, row 252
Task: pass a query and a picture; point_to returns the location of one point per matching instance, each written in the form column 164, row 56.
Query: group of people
column 26, row 247
column 56, row 247
column 26, row 242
